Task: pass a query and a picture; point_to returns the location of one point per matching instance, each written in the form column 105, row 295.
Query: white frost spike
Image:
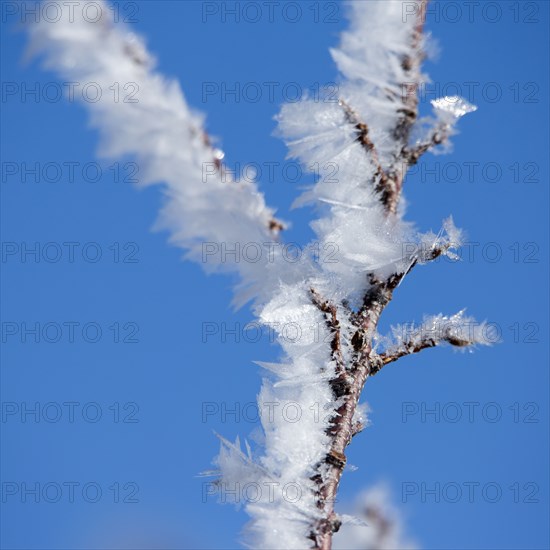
column 454, row 105
column 454, row 234
column 360, row 415
column 448, row 239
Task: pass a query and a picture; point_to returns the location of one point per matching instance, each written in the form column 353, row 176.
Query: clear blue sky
column 495, row 183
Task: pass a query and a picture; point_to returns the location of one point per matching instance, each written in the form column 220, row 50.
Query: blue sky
column 137, row 356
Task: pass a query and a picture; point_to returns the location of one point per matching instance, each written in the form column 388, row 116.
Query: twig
column 379, row 294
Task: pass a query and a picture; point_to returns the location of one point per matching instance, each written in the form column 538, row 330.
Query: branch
column 439, row 135
column 168, row 138
column 274, row 225
column 362, row 132
column 457, row 330
column 158, row 129
column 407, row 349
column 390, row 181
column 334, row 326
column 363, row 138
column 379, row 294
column 411, row 65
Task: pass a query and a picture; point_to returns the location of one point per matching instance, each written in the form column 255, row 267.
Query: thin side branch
column 438, row 136
column 408, row 348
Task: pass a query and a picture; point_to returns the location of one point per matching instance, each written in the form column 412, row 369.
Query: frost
column 458, row 330
column 370, row 58
column 448, row 110
column 152, row 122
column 454, row 105
column 445, row 243
column 207, row 211
column 360, row 416
column 376, row 525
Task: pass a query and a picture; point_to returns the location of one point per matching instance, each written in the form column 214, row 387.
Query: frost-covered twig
column 152, row 122
column 378, row 69
column 457, row 330
column 336, row 304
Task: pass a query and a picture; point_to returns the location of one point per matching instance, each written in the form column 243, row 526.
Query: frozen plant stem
column 348, row 385
column 373, row 135
column 350, row 378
